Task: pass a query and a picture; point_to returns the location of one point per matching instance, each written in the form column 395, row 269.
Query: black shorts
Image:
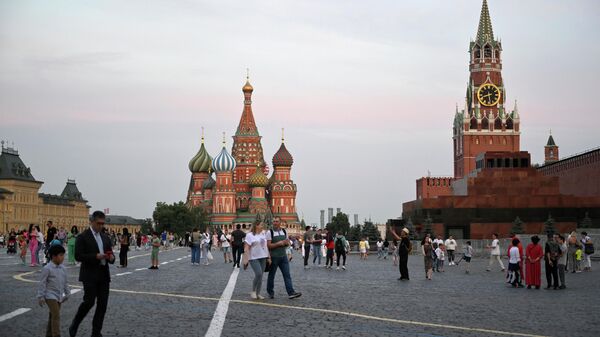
column 467, row 259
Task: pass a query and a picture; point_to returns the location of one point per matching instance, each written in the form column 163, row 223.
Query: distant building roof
column 53, row 199
column 71, row 191
column 550, row 141
column 122, row 220
column 12, row 167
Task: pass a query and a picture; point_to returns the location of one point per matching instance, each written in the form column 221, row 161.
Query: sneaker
column 253, row 295
column 344, row 267
column 260, row 297
column 338, row 268
column 271, row 296
column 294, row 295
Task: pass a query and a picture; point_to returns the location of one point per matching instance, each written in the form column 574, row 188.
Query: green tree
column 354, row 233
column 302, row 224
column 177, row 217
column 411, row 229
column 339, row 223
column 427, row 225
column 549, row 225
column 586, row 222
column 517, row 227
column 147, row 226
column 370, row 231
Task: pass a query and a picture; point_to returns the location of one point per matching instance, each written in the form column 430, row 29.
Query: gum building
column 21, row 203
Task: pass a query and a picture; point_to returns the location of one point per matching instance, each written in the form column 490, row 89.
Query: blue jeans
column 316, row 253
column 258, row 266
column 283, row 264
column 195, row 253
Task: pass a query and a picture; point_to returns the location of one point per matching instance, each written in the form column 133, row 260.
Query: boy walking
column 53, row 289
column 562, row 261
column 467, row 257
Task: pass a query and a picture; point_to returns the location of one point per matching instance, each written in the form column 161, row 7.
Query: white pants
column 495, row 257
column 587, row 261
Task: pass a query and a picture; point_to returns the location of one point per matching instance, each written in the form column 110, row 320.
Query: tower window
column 487, row 51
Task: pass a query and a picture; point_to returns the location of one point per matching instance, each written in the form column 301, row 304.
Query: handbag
column 268, row 267
column 210, row 256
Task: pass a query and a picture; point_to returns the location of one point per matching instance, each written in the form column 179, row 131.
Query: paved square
column 366, row 300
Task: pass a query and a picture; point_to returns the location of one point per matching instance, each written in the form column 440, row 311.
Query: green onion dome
column 201, row 161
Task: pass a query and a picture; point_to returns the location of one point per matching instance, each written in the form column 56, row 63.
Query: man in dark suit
column 94, row 250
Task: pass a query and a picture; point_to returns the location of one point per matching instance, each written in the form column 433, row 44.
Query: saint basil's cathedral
column 240, row 190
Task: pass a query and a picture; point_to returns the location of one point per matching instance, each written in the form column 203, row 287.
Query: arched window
column 485, row 124
column 487, row 51
column 498, row 123
column 473, row 123
column 477, row 52
column 509, row 124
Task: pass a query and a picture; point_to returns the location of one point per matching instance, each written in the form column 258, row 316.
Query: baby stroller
column 11, row 247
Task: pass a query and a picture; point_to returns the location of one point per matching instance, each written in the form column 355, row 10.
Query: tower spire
column 282, row 135
column 247, row 125
column 485, row 32
column 224, row 142
column 202, row 135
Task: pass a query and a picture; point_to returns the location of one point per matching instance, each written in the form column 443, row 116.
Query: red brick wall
column 579, row 175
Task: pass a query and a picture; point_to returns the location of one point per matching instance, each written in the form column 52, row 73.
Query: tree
column 370, row 231
column 354, row 233
column 586, row 222
column 411, row 228
column 177, row 217
column 302, row 224
column 549, row 225
column 147, row 226
column 339, row 224
column 428, row 228
column 517, row 227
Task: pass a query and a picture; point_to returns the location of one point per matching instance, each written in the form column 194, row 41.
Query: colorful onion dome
column 282, row 157
column 209, row 183
column 258, row 179
column 223, row 162
column 201, row 161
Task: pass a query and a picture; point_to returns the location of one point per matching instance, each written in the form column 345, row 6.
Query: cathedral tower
column 199, row 165
column 484, row 124
column 247, row 151
column 282, row 188
column 224, row 207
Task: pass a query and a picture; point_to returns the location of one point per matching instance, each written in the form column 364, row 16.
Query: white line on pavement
column 140, row 269
column 75, row 291
column 13, row 314
column 125, row 273
column 216, row 324
column 165, row 262
column 179, row 259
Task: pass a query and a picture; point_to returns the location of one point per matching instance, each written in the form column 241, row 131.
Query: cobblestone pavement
column 366, row 300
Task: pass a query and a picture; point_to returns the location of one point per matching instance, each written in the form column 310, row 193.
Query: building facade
column 241, row 190
column 21, row 203
column 494, row 182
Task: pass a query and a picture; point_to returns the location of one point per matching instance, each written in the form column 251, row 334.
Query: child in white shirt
column 440, row 252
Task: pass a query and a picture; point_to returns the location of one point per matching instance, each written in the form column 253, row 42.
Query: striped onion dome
column 258, row 179
column 282, row 157
column 201, row 161
column 209, row 183
column 223, row 162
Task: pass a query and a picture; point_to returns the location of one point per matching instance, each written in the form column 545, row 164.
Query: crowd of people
column 265, row 251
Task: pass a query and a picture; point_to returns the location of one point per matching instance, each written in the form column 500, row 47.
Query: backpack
column 339, row 244
column 589, row 248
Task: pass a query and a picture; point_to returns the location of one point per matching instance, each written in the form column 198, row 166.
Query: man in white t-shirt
column 450, row 248
column 225, row 240
column 495, row 252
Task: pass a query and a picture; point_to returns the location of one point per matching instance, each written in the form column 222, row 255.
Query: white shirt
column 258, row 246
column 99, row 243
column 224, row 242
column 40, row 237
column 450, row 244
column 495, row 247
column 514, row 256
column 438, row 241
column 379, row 244
column 440, row 254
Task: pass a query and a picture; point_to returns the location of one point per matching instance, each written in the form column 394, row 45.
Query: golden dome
column 247, row 87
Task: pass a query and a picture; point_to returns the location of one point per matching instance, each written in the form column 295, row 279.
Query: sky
column 114, row 93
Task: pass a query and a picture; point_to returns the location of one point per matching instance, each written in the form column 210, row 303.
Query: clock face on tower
column 488, row 94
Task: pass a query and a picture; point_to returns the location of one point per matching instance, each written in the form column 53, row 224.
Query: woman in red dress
column 534, row 255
